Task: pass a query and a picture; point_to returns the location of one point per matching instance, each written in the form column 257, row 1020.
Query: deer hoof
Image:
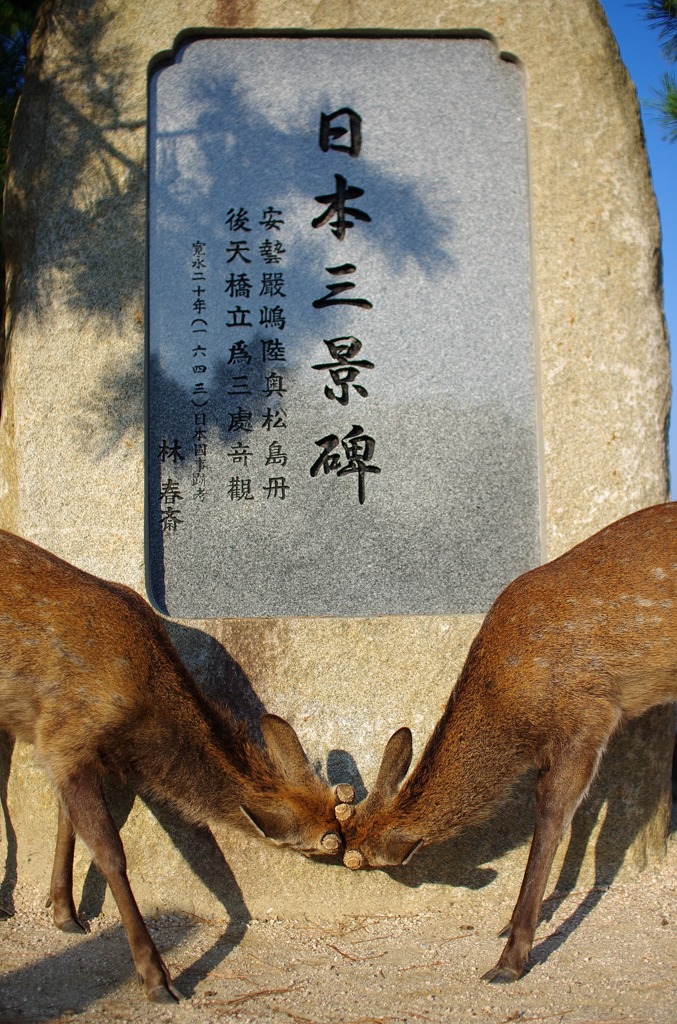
column 501, row 975
column 72, row 925
column 163, row 994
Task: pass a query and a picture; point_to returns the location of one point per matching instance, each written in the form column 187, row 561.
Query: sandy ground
column 600, row 957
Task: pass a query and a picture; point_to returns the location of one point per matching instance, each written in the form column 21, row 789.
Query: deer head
column 373, row 834
column 298, row 812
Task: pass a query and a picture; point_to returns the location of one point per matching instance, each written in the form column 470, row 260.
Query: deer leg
column 61, row 886
column 91, row 819
column 9, row 881
column 559, row 791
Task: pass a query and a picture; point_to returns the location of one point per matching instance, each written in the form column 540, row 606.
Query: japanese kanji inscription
column 342, row 402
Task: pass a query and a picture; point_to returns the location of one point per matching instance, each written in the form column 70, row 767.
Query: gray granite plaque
column 342, row 390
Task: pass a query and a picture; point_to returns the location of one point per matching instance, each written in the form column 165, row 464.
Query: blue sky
column 641, row 53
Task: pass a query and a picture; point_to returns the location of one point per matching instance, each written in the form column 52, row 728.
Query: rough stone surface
column 71, row 438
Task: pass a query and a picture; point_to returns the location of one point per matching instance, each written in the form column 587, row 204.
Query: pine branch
column 663, row 15
column 665, row 106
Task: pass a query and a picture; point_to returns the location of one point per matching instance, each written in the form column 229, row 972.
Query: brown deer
column 567, row 653
column 90, row 677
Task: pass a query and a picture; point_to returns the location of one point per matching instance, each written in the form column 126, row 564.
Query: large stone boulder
column 72, row 430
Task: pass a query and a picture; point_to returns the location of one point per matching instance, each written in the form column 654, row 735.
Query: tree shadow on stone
column 92, row 168
column 74, row 118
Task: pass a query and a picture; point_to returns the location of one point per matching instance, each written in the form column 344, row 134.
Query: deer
column 89, row 676
column 567, row 653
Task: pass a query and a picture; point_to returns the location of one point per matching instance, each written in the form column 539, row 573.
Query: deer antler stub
column 344, row 793
column 344, row 811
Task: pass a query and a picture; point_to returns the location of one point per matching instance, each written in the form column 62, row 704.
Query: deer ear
column 414, row 850
column 270, row 825
column 285, row 748
column 394, row 765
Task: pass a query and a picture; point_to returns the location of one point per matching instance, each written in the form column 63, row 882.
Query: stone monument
column 278, row 327
column 324, row 322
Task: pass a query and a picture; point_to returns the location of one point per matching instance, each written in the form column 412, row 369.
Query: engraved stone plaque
column 342, row 382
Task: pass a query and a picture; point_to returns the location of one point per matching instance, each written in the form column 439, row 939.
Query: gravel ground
column 603, row 956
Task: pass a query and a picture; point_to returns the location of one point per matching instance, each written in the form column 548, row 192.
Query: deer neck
column 468, row 764
column 198, row 758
